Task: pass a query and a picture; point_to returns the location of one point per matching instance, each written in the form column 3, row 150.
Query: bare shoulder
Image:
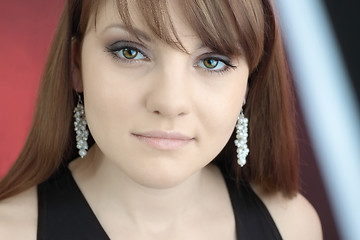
column 18, row 216
column 295, row 217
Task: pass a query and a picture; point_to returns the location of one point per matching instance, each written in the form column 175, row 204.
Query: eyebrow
column 137, row 32
column 143, row 36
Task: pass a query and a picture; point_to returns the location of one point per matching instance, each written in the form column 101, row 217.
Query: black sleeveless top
column 64, row 213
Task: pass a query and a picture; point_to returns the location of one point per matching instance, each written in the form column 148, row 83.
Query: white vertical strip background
column 329, row 105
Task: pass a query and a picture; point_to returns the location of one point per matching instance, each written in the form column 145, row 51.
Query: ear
column 76, row 66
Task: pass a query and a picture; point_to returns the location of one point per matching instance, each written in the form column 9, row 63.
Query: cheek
column 107, row 101
column 219, row 119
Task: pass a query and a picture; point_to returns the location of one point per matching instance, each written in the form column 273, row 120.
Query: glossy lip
column 164, row 140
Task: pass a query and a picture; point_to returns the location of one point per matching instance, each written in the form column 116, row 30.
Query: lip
column 164, row 140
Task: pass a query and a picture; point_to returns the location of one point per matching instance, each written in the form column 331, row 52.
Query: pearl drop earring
column 241, row 139
column 82, row 133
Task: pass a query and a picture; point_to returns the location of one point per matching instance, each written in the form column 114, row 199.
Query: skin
column 142, row 187
column 168, row 91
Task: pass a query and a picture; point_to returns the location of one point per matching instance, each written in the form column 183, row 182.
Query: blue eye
column 215, row 64
column 212, row 64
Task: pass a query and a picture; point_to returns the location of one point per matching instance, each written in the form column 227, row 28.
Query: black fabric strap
column 253, row 220
column 64, row 212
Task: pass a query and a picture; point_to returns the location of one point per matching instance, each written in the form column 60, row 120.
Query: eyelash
column 114, row 48
column 227, row 64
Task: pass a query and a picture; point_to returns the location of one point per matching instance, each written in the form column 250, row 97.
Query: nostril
column 161, row 102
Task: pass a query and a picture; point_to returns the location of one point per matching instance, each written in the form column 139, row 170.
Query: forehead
column 231, row 28
column 107, row 15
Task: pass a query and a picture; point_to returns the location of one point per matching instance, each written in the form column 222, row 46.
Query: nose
column 169, row 94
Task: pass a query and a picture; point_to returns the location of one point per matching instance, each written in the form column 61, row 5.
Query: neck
column 108, row 188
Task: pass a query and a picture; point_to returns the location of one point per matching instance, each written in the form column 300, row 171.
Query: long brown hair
column 230, row 27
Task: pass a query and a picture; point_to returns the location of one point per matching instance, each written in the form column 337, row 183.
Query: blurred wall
column 344, row 18
column 26, row 30
column 312, row 186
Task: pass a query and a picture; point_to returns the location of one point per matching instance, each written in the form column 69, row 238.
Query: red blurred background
column 26, row 30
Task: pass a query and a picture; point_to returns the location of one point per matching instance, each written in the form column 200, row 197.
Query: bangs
column 229, row 27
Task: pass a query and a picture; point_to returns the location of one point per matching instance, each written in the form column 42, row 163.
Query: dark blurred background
column 344, row 16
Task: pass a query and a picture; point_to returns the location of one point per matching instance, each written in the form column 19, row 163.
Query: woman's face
column 159, row 114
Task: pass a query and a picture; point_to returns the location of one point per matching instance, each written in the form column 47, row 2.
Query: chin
column 161, row 178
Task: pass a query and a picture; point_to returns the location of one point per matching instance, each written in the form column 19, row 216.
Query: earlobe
column 75, row 67
column 246, row 94
column 247, row 90
column 76, row 79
